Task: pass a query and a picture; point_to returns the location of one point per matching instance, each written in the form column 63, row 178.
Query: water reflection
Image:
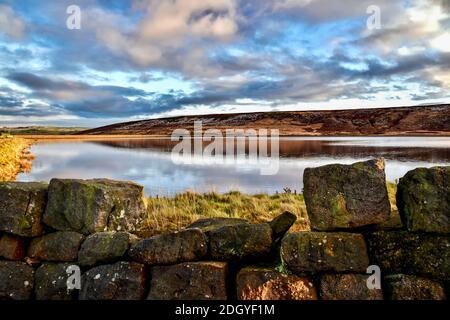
column 148, row 162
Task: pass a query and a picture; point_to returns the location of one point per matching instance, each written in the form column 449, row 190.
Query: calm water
column 149, row 162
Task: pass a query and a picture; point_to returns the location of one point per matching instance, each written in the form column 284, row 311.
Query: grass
column 40, row 130
column 175, row 213
column 392, row 191
column 395, row 221
column 14, row 157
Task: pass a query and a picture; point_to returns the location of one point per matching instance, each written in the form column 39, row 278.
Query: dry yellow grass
column 175, row 213
column 14, row 157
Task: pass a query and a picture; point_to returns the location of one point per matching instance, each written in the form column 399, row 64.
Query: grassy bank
column 41, row 130
column 14, row 157
column 175, row 213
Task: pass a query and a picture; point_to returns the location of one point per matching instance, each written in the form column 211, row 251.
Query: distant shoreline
column 136, row 136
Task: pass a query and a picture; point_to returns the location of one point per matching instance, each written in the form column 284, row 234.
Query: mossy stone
column 89, row 206
column 240, row 241
column 57, row 246
column 346, row 196
column 347, row 287
column 209, row 224
column 16, row 280
column 419, row 254
column 315, row 252
column 119, row 281
column 203, row 280
column 281, row 224
column 105, row 247
column 22, row 205
column 423, row 199
column 51, row 282
column 170, row 248
column 408, row 287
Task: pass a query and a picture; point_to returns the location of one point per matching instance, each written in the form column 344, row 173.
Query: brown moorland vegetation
column 418, row 120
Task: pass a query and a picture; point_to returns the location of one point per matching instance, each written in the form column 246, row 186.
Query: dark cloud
column 13, row 103
column 83, row 99
column 45, row 87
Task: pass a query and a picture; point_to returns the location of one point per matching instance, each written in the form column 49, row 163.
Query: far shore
column 139, row 136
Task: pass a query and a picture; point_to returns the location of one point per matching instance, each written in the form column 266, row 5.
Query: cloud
column 123, row 62
column 442, row 42
column 415, row 26
column 66, row 90
column 10, row 24
column 14, row 103
column 163, row 34
column 83, row 99
column 316, row 11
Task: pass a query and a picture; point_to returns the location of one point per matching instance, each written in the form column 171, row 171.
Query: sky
column 141, row 59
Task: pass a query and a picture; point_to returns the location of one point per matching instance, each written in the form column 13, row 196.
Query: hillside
column 420, row 120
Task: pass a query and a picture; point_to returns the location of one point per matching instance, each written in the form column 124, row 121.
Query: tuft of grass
column 281, row 267
column 174, row 213
column 15, row 157
column 392, row 191
column 395, row 220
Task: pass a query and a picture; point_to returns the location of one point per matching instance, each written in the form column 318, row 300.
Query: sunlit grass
column 14, row 157
column 41, row 130
column 175, row 213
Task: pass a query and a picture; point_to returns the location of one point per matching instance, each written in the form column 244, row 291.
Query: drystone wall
column 75, row 239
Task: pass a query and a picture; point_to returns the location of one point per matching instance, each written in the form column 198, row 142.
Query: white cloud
column 10, row 24
column 408, row 32
column 168, row 26
column 409, row 51
column 290, row 4
column 174, row 19
column 442, row 42
column 427, row 14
